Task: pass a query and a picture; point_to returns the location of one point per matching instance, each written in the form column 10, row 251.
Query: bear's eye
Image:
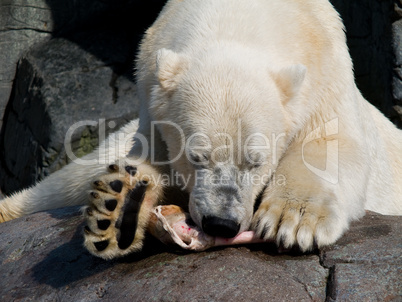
column 256, row 165
column 255, row 160
column 198, row 159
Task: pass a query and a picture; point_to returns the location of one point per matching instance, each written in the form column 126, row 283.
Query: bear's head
column 226, row 119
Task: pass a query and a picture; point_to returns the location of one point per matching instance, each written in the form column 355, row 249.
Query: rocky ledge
column 42, row 259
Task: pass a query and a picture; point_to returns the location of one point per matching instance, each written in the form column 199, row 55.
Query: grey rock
column 47, row 262
column 13, row 44
column 42, row 258
column 397, row 75
column 367, row 282
column 23, row 23
column 397, row 41
column 58, row 84
column 376, row 238
column 366, row 263
column 87, row 64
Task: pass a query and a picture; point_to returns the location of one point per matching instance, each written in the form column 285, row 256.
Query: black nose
column 219, row 227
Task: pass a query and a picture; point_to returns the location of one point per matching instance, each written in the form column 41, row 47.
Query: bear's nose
column 219, row 227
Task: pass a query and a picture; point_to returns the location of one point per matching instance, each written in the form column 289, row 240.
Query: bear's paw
column 119, row 210
column 306, row 222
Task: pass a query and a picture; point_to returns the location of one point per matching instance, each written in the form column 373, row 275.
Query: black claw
column 87, row 229
column 89, row 211
column 263, row 233
column 114, row 168
column 97, row 183
column 101, row 245
column 131, row 170
column 116, row 185
column 103, row 224
column 111, row 204
column 95, row 195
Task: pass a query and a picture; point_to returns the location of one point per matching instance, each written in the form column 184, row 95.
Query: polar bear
column 253, row 105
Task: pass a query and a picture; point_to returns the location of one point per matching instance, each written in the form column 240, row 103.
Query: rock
column 42, row 258
column 23, row 23
column 21, row 26
column 397, row 68
column 48, row 262
column 375, row 239
column 367, row 282
column 84, row 73
column 58, row 84
column 366, row 263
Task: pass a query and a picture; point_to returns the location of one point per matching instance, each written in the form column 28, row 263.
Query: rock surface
column 366, row 263
column 42, row 258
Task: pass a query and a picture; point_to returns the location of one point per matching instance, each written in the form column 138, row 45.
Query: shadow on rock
column 68, row 263
column 71, row 262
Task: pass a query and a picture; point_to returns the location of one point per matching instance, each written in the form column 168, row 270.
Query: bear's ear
column 290, row 79
column 169, row 66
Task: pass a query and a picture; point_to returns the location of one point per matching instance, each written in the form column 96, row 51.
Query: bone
column 169, row 223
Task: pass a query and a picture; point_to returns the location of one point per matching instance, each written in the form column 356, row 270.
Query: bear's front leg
column 119, row 209
column 315, row 203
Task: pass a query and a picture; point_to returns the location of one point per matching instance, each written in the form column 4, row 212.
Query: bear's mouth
column 169, row 224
